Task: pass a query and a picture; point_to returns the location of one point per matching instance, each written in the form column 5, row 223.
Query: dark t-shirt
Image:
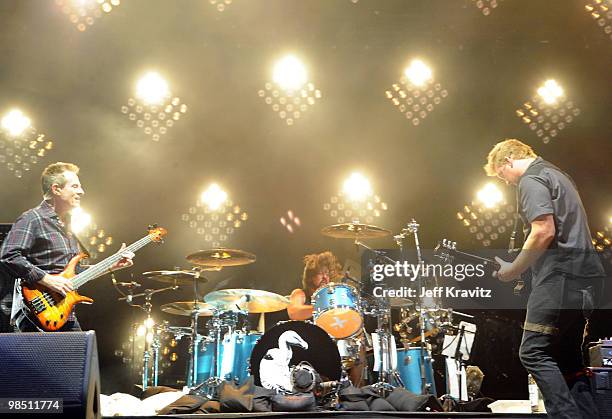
column 545, row 189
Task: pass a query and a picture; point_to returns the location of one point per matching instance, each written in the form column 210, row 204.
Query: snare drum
column 336, row 310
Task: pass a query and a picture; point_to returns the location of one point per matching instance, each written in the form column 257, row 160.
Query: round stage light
column 289, row 73
column 357, row 187
column 15, row 122
column 418, row 73
column 550, row 91
column 490, row 195
column 214, row 197
column 152, row 89
column 80, row 220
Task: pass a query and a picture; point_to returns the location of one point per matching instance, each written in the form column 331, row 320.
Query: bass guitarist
column 41, row 243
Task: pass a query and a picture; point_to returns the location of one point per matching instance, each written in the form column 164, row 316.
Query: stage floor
column 351, row 414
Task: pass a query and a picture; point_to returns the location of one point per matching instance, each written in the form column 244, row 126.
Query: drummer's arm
column 298, row 309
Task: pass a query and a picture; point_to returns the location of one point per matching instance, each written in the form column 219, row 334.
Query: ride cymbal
column 221, row 257
column 354, row 231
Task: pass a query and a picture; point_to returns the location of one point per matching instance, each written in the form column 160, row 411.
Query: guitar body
column 49, row 308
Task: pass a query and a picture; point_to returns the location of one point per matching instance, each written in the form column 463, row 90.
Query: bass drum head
column 322, row 352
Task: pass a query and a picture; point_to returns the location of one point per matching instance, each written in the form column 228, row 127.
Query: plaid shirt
column 39, row 243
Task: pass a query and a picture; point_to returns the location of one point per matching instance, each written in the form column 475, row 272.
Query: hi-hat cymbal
column 253, row 301
column 175, row 277
column 221, row 257
column 354, row 231
column 185, row 308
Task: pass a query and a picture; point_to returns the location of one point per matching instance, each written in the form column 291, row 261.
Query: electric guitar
column 51, row 309
column 446, row 250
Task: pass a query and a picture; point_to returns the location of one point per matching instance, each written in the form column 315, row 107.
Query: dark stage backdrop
column 73, row 85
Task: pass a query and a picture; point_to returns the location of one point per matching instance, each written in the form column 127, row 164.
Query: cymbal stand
column 192, row 369
column 413, row 228
column 382, row 312
column 151, row 346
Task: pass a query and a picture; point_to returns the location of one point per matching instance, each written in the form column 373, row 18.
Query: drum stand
column 413, row 228
column 151, row 349
column 382, row 312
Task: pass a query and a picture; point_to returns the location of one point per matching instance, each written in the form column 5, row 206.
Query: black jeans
column 557, row 313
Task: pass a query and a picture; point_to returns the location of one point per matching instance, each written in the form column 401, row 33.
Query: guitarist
column 41, row 243
column 567, row 275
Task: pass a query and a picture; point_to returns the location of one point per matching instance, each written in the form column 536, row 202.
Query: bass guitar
column 51, row 309
column 446, row 250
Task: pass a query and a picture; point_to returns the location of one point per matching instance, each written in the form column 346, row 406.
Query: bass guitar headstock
column 157, row 233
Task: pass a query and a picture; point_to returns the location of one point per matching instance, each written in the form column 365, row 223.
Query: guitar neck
column 104, row 266
column 486, row 261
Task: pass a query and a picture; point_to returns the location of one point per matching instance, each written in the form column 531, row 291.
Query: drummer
column 319, row 270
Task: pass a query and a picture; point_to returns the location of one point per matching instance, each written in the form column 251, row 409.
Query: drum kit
column 333, row 343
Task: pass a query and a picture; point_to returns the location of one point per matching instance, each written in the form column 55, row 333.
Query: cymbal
column 354, row 231
column 253, row 301
column 400, row 302
column 221, row 257
column 174, row 277
column 185, row 308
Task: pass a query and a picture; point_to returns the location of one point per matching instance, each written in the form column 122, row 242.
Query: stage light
column 83, row 13
column 79, row 220
column 357, row 187
column 355, row 202
column 15, row 123
column 290, row 221
column 550, row 91
column 214, row 197
column 21, row 146
column 548, row 112
column 600, row 11
column 418, row 73
column 417, row 93
column 97, row 239
column 487, row 224
column 490, row 195
column 152, row 89
column 486, row 6
column 289, row 73
column 153, row 108
column 290, row 94
column 602, row 242
column 218, row 224
column 220, row 5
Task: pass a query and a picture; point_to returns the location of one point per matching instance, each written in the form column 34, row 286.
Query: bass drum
column 285, row 341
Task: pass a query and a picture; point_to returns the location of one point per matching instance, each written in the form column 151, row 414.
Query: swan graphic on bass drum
column 287, row 344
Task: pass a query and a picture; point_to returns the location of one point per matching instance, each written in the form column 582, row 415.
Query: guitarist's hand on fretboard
column 57, row 283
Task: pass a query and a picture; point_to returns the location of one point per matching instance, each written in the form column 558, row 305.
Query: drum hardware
column 412, row 228
column 247, row 300
column 354, row 231
column 220, row 258
column 151, row 346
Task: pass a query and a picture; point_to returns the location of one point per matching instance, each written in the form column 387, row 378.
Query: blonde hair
column 506, row 148
column 313, row 265
column 54, row 174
